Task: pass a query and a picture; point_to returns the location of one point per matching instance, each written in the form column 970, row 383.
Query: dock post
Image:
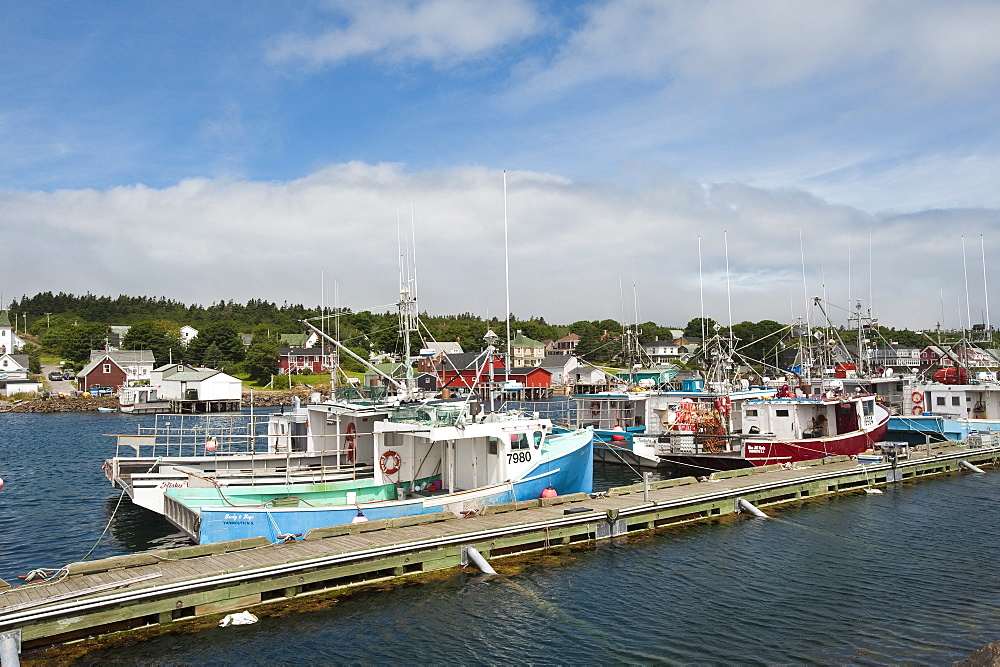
column 470, row 553
column 971, row 468
column 646, row 476
column 747, row 506
column 10, row 648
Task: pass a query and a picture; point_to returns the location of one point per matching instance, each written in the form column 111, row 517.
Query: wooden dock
column 163, row 587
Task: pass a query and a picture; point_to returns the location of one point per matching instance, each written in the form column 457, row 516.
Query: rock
column 987, row 656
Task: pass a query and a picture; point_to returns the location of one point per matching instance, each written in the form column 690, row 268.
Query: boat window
column 751, row 413
column 940, row 400
column 494, row 445
column 955, row 400
column 781, row 413
column 519, row 441
column 538, row 439
column 869, row 408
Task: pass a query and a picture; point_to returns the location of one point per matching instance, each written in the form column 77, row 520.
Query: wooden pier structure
column 164, row 587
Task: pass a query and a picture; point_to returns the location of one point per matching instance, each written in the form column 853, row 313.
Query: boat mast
column 506, row 274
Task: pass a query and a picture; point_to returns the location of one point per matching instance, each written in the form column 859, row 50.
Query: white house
column 181, row 382
column 561, row 366
column 14, row 375
column 188, row 333
column 10, row 342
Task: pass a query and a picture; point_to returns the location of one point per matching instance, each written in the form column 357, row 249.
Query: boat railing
column 176, row 435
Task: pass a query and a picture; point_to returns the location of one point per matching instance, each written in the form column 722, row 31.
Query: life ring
column 917, row 410
column 917, row 396
column 387, row 467
column 352, row 434
column 595, row 408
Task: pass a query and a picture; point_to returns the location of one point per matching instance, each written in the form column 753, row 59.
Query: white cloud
column 730, row 44
column 441, row 32
column 571, row 244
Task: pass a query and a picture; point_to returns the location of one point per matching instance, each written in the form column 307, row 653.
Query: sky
column 644, row 160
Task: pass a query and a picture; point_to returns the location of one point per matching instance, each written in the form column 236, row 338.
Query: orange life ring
column 390, row 468
column 351, row 436
column 595, row 408
column 917, row 410
column 917, row 396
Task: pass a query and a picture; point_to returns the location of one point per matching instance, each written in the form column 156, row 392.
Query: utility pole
column 47, row 320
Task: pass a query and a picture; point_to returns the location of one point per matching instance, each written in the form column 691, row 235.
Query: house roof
column 4, row 319
column 464, row 361
column 568, row 338
column 124, row 356
column 392, row 369
column 97, row 361
column 294, row 339
column 556, row 360
column 523, row 341
column 525, row 370
column 300, row 351
column 445, row 347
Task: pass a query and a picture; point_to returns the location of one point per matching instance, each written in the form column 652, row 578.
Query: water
column 905, row 577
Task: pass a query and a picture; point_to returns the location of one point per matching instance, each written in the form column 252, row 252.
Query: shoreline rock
column 261, row 399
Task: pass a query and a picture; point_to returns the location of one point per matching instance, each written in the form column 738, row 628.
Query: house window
column 107, row 369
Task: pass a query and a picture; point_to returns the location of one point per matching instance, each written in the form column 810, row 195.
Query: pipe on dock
column 971, row 468
column 477, row 559
column 10, row 648
column 747, row 506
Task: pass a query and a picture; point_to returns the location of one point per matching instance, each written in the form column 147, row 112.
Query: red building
column 102, row 372
column 304, row 360
column 462, row 371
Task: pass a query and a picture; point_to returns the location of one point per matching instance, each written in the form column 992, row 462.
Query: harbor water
column 908, row 576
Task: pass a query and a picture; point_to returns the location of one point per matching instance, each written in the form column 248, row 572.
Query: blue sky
column 221, row 150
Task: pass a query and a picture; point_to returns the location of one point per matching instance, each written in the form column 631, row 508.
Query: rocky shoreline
column 261, row 399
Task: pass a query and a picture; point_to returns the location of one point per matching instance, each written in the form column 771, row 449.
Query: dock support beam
column 10, row 648
column 971, row 468
column 747, row 506
column 470, row 553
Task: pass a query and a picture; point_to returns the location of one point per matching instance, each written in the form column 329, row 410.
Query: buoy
column 360, row 518
column 211, row 445
column 1, row 483
column 549, row 492
column 618, row 437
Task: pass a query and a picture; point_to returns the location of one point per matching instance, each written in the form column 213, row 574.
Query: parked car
column 68, row 375
column 56, row 375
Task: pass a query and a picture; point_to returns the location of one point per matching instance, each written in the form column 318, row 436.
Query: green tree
column 694, row 328
column 161, row 338
column 262, row 359
column 226, row 338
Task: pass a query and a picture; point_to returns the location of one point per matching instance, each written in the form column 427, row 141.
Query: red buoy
column 1, row 483
column 618, row 437
column 549, row 492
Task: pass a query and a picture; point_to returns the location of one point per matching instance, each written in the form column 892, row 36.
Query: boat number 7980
column 518, row 457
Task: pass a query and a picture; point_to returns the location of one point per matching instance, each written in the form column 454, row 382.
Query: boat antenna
column 965, row 269
column 986, row 290
column 506, row 274
column 701, row 291
column 729, row 292
column 805, row 293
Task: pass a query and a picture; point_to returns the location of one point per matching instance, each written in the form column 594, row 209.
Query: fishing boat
column 435, row 457
column 785, row 430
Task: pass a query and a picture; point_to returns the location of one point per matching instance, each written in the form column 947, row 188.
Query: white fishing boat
column 434, row 457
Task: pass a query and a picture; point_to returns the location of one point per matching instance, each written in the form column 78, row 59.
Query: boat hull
column 768, row 452
column 570, row 472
